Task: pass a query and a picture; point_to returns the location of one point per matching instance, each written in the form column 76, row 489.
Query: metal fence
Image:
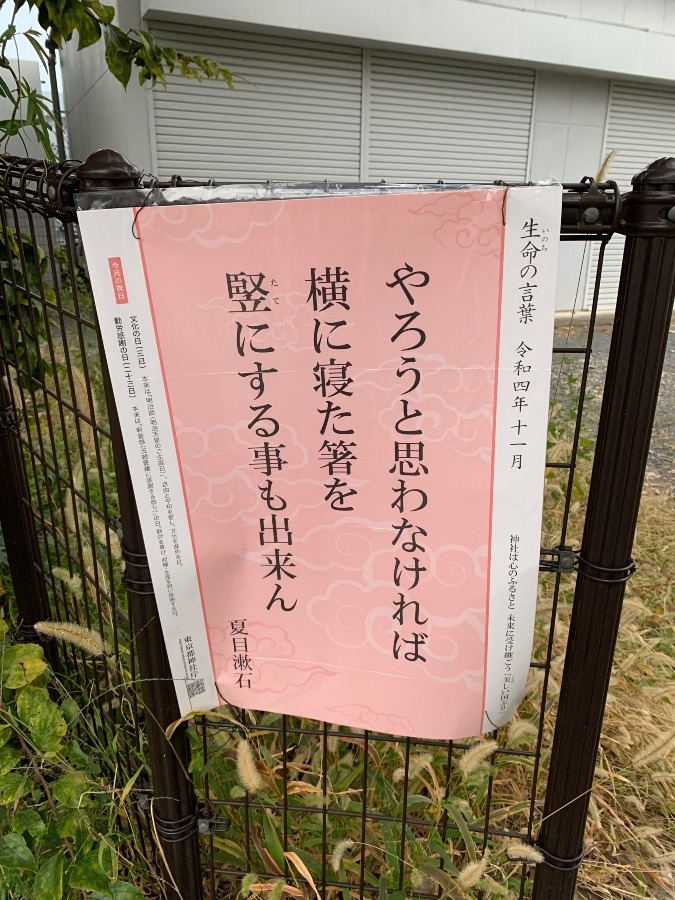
column 340, row 811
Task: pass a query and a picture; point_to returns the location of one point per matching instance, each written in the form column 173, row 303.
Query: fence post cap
column 106, row 170
column 660, row 172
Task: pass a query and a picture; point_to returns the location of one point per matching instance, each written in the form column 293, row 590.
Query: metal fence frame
column 603, row 563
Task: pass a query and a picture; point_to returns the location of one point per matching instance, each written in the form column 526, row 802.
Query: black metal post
column 174, row 805
column 641, row 325
column 18, row 527
column 56, row 100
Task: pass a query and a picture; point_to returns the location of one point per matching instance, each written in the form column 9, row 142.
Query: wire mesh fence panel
column 52, row 377
column 287, row 804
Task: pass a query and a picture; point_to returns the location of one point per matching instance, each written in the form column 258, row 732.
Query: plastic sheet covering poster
column 335, row 413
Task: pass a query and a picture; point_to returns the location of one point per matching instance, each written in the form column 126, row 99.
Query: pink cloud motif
column 467, row 222
column 343, row 610
column 267, row 677
column 277, row 678
column 223, row 498
column 457, row 567
column 452, row 565
column 269, row 654
column 236, row 497
column 225, row 439
column 268, row 641
column 348, row 545
column 363, row 717
column 196, row 487
column 233, row 223
column 237, row 438
column 290, row 322
column 224, row 491
column 466, row 427
column 453, row 647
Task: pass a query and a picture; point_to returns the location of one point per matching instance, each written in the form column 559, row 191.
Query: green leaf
column 32, row 36
column 86, row 877
column 121, row 890
column 15, row 853
column 81, row 760
column 229, row 852
column 12, row 787
column 42, row 717
column 88, row 29
column 70, row 710
column 9, row 758
column 10, row 127
column 28, row 701
column 105, row 13
column 72, row 824
column 48, row 884
column 5, row 734
column 8, row 34
column 119, row 54
column 463, row 825
column 28, row 820
column 272, row 842
column 437, row 846
column 69, row 790
column 22, row 664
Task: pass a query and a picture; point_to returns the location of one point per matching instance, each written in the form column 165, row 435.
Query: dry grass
column 631, row 830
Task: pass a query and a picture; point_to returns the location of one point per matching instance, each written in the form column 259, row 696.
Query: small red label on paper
column 117, row 275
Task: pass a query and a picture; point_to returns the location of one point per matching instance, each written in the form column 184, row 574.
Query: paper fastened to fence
column 335, row 415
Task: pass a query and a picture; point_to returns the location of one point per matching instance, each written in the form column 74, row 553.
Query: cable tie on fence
column 153, row 184
column 143, row 797
column 133, row 559
column 173, row 831
column 213, row 825
column 558, row 559
column 135, row 586
column 562, row 865
column 604, row 574
column 31, row 636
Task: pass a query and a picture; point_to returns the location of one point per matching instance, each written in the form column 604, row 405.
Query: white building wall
column 567, row 143
column 571, row 37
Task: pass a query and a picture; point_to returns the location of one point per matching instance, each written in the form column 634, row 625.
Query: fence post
column 18, row 527
column 174, row 807
column 639, row 340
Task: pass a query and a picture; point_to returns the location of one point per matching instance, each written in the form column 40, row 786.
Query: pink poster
column 335, row 414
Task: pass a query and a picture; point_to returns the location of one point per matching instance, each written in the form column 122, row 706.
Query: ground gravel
column 661, row 463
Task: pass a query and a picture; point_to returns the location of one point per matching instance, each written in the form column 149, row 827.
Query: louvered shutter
column 431, row 117
column 641, row 128
column 295, row 114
